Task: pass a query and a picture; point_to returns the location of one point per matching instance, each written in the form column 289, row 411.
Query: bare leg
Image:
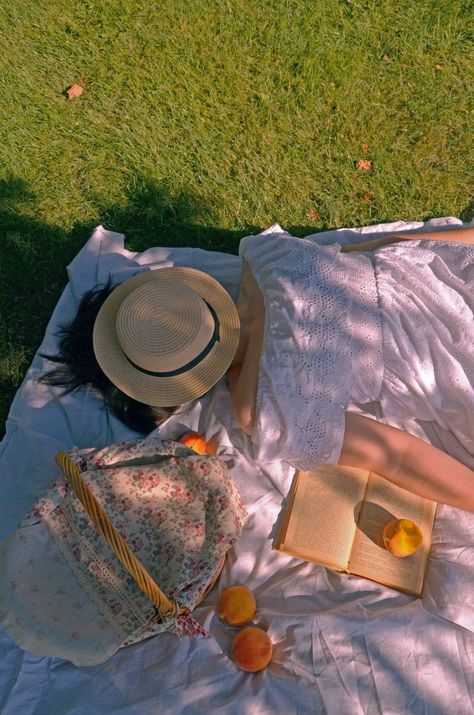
column 459, row 235
column 407, row 461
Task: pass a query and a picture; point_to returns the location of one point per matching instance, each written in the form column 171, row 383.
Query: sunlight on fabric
column 341, row 644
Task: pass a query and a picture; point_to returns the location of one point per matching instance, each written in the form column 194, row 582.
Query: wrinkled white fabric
column 341, row 644
column 321, row 347
column 343, row 328
column 426, row 292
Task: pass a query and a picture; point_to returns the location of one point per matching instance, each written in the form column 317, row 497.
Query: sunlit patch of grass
column 202, row 121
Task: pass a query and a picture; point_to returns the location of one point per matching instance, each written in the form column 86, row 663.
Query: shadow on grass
column 34, row 257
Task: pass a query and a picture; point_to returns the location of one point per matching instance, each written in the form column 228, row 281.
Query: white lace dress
column 393, row 328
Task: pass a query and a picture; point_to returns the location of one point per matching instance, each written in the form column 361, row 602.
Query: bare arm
column 400, row 457
column 242, row 376
column 460, row 235
column 407, row 461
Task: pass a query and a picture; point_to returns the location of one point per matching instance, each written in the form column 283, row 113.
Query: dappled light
column 140, row 136
column 336, row 638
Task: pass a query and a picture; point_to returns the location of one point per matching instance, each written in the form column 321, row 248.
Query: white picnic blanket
column 341, row 644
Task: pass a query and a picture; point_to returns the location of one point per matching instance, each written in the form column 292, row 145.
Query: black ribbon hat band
column 195, row 361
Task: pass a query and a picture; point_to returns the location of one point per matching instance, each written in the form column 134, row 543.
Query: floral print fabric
column 178, row 511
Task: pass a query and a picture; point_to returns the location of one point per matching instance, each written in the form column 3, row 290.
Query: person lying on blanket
column 316, row 331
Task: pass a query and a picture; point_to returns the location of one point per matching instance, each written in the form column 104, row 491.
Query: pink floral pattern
column 178, row 511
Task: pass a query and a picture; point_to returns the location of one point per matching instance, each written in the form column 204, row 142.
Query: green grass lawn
column 203, row 121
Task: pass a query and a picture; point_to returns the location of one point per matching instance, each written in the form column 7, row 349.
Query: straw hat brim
column 191, row 384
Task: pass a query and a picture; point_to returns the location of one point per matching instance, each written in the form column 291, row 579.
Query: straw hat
column 166, row 336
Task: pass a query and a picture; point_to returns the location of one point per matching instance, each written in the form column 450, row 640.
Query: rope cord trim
column 168, row 608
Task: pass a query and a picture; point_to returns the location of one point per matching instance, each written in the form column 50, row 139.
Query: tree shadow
column 155, row 214
column 34, row 256
column 467, row 214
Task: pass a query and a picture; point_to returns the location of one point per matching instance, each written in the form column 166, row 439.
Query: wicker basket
column 167, row 607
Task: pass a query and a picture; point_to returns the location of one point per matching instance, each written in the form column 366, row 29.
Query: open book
column 336, row 515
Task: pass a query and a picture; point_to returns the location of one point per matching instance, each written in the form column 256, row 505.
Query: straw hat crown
column 161, row 330
column 165, row 337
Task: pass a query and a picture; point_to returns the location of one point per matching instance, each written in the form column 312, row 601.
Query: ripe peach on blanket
column 236, row 605
column 211, row 447
column 194, row 441
column 402, row 537
column 252, row 649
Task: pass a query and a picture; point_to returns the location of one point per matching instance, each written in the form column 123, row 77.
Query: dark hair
column 78, row 367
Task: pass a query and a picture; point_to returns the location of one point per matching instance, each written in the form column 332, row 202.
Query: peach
column 211, row 447
column 402, row 537
column 236, row 605
column 194, row 441
column 252, row 649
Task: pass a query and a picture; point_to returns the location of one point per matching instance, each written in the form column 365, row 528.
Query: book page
column 383, row 502
column 323, row 511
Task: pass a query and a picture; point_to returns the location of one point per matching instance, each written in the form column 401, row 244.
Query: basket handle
column 167, row 607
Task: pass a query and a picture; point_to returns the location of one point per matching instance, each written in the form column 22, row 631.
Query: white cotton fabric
column 321, row 348
column 341, row 644
column 426, row 292
column 344, row 328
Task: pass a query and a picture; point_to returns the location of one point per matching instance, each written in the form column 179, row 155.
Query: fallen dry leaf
column 365, row 148
column 439, row 68
column 313, row 215
column 364, row 164
column 386, row 58
column 75, row 90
